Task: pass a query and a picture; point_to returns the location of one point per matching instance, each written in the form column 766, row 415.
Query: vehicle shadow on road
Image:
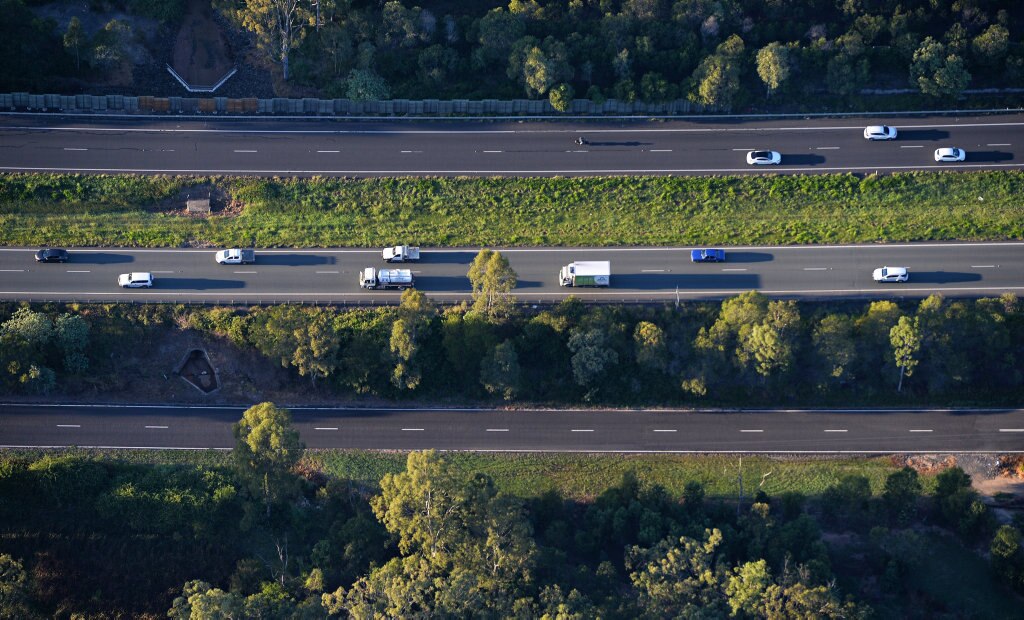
column 455, row 257
column 749, row 257
column 922, row 134
column 988, row 156
column 942, row 277
column 196, row 284
column 100, row 258
column 443, row 284
column 802, row 159
column 669, row 281
column 295, row 260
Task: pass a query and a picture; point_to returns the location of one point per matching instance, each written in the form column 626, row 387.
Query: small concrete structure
column 197, row 370
column 198, row 205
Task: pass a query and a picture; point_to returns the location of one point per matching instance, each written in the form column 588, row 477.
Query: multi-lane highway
column 333, row 147
column 789, row 431
column 638, row 274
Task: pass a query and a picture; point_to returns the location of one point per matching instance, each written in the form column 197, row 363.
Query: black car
column 52, row 255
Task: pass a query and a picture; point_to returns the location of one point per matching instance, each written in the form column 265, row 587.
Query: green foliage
column 902, row 489
column 267, row 446
column 561, row 97
column 492, row 280
column 938, row 73
column 773, row 65
column 366, row 85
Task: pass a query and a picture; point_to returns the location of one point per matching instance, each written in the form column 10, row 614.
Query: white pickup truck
column 401, row 254
column 236, row 257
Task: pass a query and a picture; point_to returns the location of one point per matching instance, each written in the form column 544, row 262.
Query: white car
column 890, row 274
column 763, row 158
column 950, row 153
column 879, row 132
column 135, row 280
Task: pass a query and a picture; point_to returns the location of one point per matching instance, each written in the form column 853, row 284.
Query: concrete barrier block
column 207, row 106
column 131, row 104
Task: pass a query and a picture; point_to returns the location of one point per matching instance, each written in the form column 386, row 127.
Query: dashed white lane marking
column 661, row 150
column 911, row 146
column 245, row 272
column 734, row 269
column 999, row 144
column 246, row 151
column 815, row 268
column 161, row 272
column 653, row 270
column 79, row 271
column 494, row 151
column 497, row 430
column 751, row 430
column 577, row 151
column 328, row 151
column 154, row 426
column 69, row 426
column 11, row 270
column 325, row 428
column 835, row 430
column 983, row 266
column 583, row 430
column 664, row 430
column 67, row 148
column 1011, row 430
column 920, row 430
column 412, row 151
column 328, row 272
column 412, row 429
column 826, row 148
column 744, row 150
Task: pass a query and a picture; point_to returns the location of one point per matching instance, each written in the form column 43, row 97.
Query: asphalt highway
column 784, row 431
column 638, row 274
column 331, row 147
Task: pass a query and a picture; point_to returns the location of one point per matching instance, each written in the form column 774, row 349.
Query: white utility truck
column 236, row 257
column 586, row 273
column 401, row 254
column 385, row 278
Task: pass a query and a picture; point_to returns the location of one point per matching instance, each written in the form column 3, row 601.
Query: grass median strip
column 73, row 210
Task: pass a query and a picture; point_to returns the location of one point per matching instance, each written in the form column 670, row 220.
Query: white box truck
column 586, row 273
column 236, row 256
column 401, row 254
column 385, row 278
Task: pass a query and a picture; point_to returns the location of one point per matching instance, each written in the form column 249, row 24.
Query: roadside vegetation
column 267, row 532
column 73, row 210
column 746, row 351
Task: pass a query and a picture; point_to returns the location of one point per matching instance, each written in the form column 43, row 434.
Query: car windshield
column 761, row 154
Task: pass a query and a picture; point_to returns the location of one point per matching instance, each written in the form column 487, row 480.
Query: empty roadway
column 638, row 274
column 785, row 431
column 339, row 147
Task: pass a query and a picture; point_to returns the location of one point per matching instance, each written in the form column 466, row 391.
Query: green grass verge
column 76, row 210
column 584, row 476
column 576, row 476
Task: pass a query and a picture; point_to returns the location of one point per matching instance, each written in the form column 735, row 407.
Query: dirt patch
column 201, row 54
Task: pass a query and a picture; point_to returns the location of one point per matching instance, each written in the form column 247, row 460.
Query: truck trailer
column 586, row 273
column 386, row 278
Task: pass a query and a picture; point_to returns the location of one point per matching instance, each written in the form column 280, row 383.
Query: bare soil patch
column 201, row 53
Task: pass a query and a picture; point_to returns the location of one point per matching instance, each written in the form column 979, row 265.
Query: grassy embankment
column 575, row 476
column 74, row 210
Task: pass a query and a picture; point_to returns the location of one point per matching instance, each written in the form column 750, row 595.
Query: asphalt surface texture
column 638, row 274
column 272, row 146
column 767, row 431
